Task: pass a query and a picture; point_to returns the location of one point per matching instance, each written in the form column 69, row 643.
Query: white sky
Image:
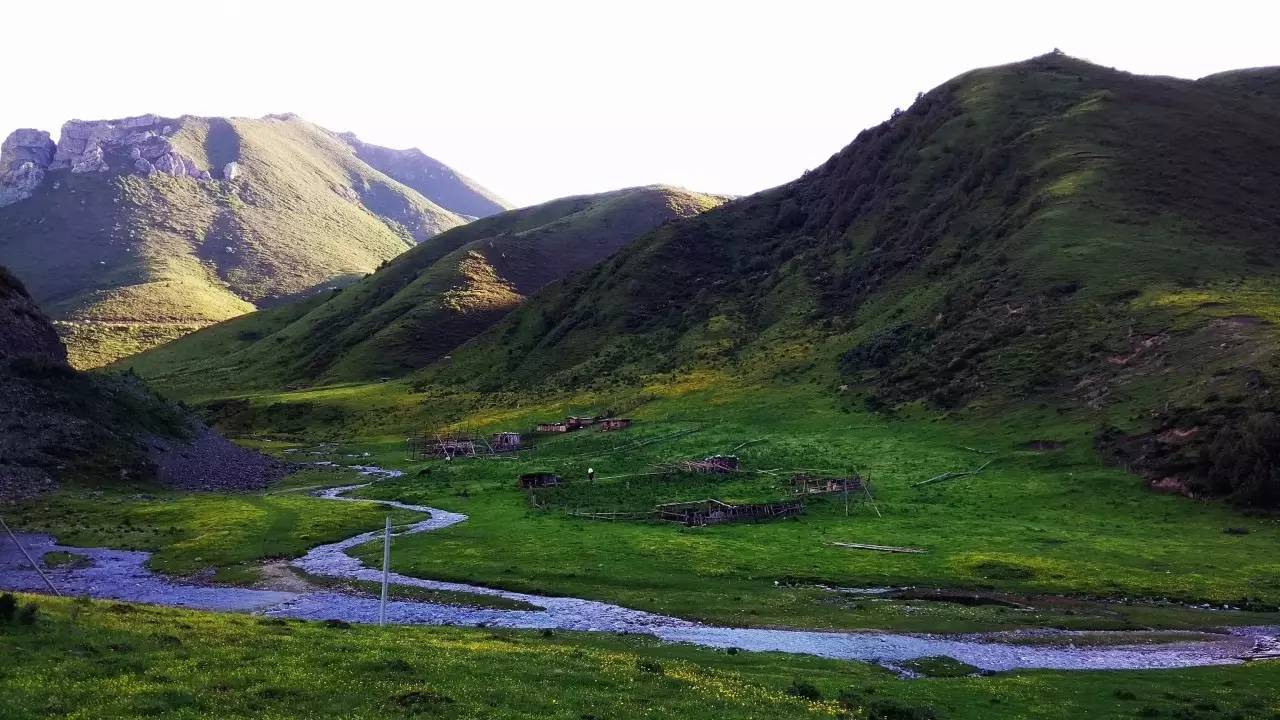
column 538, row 100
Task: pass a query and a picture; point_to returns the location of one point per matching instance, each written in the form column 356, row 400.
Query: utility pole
column 386, row 571
column 29, row 559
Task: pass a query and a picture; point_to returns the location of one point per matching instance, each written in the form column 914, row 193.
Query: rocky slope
column 131, row 232
column 59, row 425
column 423, row 304
column 1045, row 234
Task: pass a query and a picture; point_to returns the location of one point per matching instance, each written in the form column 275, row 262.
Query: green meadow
column 102, row 660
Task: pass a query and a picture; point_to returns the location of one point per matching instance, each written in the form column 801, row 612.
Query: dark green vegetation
column 59, row 559
column 126, row 261
column 421, row 305
column 1046, row 232
column 111, row 660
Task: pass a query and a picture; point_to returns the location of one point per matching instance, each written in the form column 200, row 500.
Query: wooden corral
column 443, row 446
column 712, row 512
column 538, row 480
column 719, row 464
column 611, row 424
column 804, row 484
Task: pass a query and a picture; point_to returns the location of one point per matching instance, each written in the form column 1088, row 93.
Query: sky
column 538, row 100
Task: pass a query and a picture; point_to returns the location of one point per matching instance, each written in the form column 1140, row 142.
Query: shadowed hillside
column 1048, row 232
column 139, row 230
column 61, row 425
column 421, row 305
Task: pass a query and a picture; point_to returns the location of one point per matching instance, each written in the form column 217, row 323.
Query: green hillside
column 125, row 259
column 421, row 305
column 1045, row 232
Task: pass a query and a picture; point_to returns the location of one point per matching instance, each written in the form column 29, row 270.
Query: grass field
column 112, row 660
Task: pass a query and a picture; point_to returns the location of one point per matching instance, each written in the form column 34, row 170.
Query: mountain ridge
column 425, row 302
column 135, row 231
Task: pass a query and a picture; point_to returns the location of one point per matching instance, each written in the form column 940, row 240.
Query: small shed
column 610, row 424
column 505, row 441
column 553, row 427
column 539, row 480
column 577, row 423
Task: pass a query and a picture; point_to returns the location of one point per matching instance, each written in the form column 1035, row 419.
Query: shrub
column 8, row 606
column 28, row 614
column 894, row 710
column 804, row 689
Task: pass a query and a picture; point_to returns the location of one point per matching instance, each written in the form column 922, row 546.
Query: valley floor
column 1041, row 535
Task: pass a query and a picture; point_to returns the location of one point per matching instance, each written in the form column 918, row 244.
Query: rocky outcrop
column 230, row 171
column 24, row 157
column 140, row 144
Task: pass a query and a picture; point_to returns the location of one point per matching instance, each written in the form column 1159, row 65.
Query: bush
column 28, row 614
column 804, row 689
column 894, row 710
column 8, row 606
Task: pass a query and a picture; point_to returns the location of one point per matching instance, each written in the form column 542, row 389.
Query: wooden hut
column 578, row 423
column 553, row 427
column 505, row 441
column 610, row 424
column 538, row 480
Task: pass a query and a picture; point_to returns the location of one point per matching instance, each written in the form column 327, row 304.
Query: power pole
column 29, row 559
column 386, row 571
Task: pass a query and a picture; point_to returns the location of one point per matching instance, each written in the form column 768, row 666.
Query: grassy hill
column 1049, row 232
column 125, row 261
column 421, row 305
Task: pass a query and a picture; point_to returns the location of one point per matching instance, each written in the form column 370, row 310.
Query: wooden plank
column 880, row 548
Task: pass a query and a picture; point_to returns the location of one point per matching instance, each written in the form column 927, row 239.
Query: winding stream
column 122, row 575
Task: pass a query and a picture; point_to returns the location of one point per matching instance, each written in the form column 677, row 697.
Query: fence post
column 386, row 571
